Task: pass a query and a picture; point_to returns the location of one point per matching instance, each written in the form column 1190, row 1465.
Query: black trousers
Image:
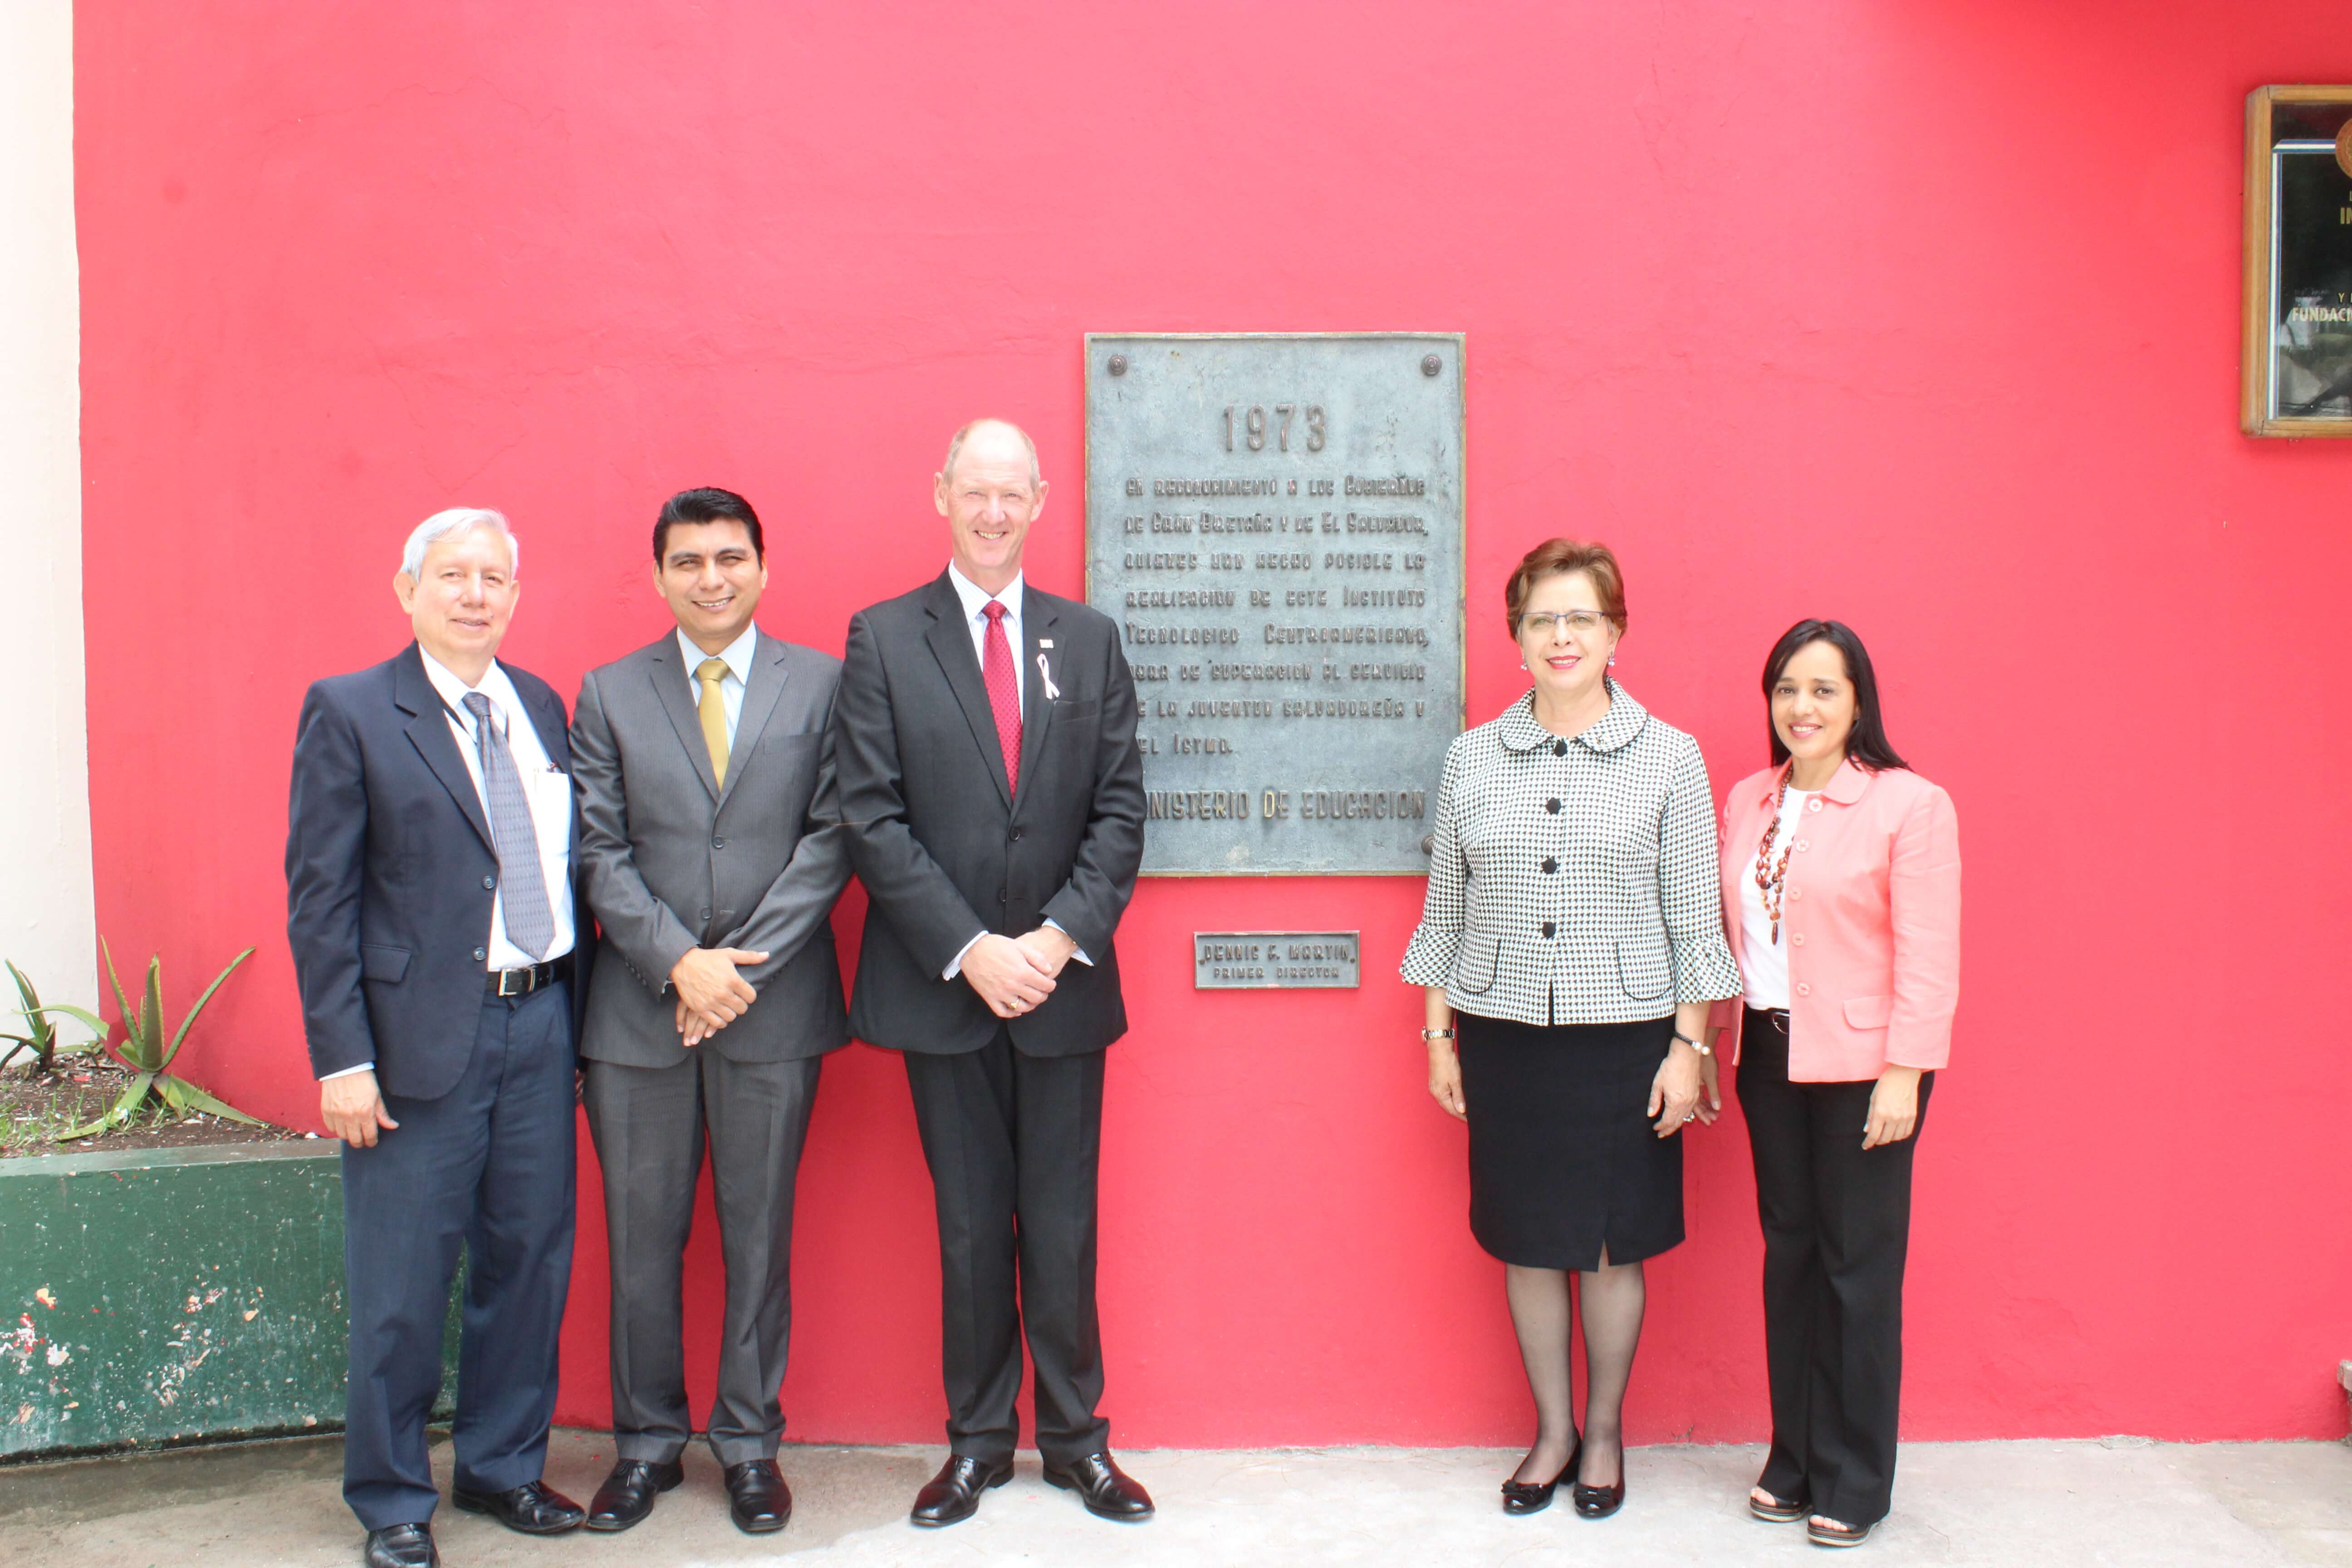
column 488, row 1165
column 1012, row 1143
column 1837, row 1232
column 650, row 1126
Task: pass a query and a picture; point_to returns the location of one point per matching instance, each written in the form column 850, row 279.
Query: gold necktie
column 709, row 672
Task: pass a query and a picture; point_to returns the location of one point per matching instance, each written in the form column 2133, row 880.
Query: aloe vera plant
column 43, row 1040
column 144, row 1051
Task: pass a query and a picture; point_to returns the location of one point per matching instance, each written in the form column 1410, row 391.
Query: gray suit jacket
column 672, row 862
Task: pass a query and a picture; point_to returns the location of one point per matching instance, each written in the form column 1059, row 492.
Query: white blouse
column 1764, row 963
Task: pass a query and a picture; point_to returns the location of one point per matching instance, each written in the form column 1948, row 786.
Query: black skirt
column 1562, row 1159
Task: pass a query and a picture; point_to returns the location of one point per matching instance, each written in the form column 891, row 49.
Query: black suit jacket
column 389, row 875
column 947, row 850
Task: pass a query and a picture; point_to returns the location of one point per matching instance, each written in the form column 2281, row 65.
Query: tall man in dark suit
column 713, row 861
column 994, row 796
column 429, row 892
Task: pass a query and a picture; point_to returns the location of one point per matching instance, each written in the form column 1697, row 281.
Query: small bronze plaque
column 1277, row 960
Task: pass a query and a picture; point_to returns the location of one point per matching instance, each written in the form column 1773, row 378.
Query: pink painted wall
column 1916, row 312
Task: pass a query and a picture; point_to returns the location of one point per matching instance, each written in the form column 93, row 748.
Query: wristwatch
column 1703, row 1049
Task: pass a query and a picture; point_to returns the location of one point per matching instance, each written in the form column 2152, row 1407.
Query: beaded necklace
column 1769, row 873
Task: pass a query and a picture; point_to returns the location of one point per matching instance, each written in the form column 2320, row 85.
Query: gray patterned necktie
column 530, row 918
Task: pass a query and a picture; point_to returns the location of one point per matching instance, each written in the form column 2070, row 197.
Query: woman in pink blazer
column 1842, row 899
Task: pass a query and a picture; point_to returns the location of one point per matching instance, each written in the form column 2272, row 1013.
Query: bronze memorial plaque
column 1276, row 960
column 1274, row 520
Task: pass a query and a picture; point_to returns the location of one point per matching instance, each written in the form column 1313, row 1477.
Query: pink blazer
column 1871, row 913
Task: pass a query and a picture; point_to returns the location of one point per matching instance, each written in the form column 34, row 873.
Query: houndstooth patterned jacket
column 1573, row 881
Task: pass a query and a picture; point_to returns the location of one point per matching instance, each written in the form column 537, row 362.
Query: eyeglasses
column 1546, row 623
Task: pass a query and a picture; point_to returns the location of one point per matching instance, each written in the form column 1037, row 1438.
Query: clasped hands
column 1014, row 973
column 711, row 991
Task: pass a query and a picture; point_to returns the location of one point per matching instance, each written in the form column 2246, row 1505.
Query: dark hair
column 707, row 505
column 1866, row 745
column 1557, row 558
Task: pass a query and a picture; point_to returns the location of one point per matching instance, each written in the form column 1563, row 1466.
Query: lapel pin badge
column 1053, row 693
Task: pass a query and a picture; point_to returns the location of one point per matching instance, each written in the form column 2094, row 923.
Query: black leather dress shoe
column 1108, row 1491
column 757, row 1498
column 954, row 1493
column 627, row 1494
column 532, row 1508
column 402, row 1546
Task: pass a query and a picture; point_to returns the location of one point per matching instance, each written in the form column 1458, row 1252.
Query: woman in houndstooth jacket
column 1572, row 929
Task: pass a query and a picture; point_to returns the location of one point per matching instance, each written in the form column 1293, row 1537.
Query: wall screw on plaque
column 1431, row 365
column 1118, row 364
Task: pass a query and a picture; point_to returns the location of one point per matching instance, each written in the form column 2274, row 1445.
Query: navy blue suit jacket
column 391, row 873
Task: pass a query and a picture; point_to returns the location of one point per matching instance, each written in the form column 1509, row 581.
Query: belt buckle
column 522, row 978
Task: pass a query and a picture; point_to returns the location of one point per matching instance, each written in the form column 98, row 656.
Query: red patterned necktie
column 1004, row 694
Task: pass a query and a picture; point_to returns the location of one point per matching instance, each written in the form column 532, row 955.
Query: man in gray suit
column 712, row 855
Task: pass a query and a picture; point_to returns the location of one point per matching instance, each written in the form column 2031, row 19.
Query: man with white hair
column 430, row 895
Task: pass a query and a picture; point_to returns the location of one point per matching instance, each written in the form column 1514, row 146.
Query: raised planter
column 170, row 1296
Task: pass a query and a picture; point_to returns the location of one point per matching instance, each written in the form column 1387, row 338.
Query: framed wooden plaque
column 2297, row 365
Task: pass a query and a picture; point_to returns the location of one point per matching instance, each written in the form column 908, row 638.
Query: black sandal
column 1835, row 1534
column 1527, row 1497
column 1779, row 1511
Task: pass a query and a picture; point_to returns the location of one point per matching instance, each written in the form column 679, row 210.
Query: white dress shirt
column 976, row 600
column 737, row 657
column 546, row 792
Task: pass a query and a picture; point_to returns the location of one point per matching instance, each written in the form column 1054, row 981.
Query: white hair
column 955, row 447
column 456, row 520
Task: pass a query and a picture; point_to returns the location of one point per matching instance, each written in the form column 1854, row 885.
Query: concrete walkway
column 2121, row 1501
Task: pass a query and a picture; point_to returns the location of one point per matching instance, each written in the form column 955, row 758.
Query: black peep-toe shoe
column 1527, row 1497
column 1600, row 1502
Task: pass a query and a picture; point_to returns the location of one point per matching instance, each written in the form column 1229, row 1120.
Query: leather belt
column 538, row 978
